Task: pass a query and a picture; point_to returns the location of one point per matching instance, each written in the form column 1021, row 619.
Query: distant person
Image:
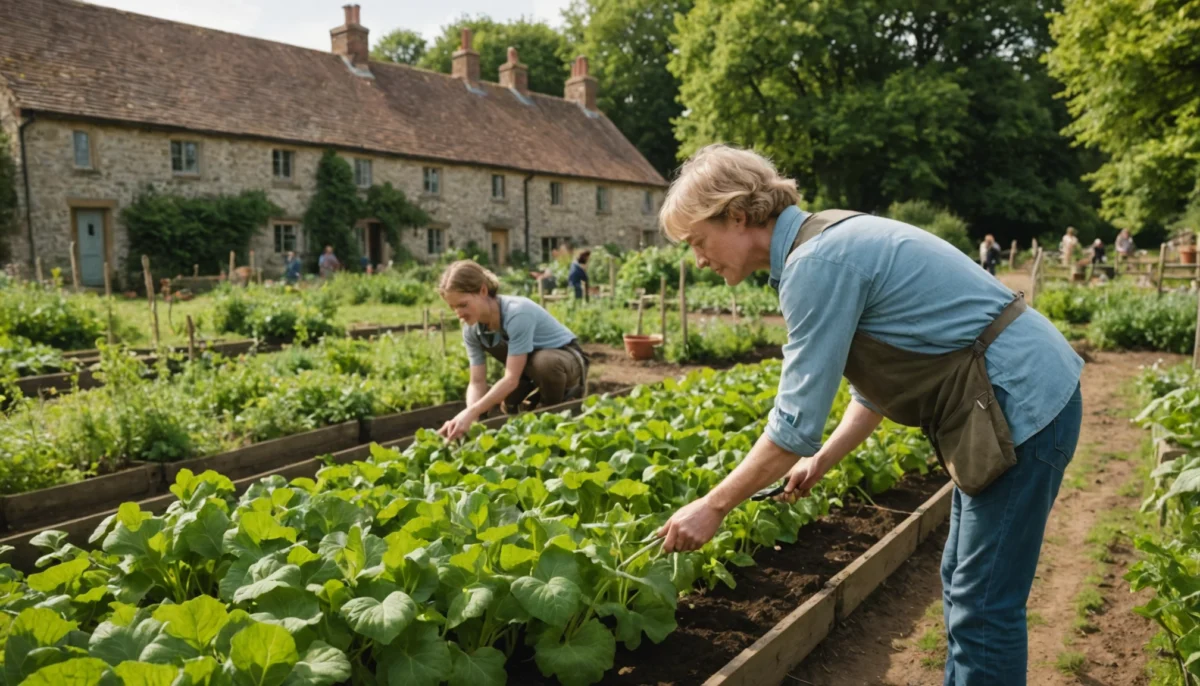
column 1098, row 252
column 364, row 263
column 578, row 275
column 546, row 276
column 989, row 254
column 1068, row 246
column 291, row 268
column 328, row 263
column 1124, row 245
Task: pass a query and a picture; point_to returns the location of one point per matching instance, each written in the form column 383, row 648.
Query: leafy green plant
column 938, row 221
column 276, row 313
column 50, row 317
column 1146, row 322
column 432, row 565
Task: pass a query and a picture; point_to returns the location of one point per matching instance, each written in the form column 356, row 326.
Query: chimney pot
column 581, row 88
column 350, row 39
column 513, row 74
column 465, row 61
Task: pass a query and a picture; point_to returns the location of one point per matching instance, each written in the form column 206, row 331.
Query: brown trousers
column 551, row 373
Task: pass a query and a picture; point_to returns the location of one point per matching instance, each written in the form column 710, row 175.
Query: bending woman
column 543, row 362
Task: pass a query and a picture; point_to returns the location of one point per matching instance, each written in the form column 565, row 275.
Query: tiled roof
column 76, row 59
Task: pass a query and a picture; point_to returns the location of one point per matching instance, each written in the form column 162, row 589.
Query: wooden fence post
column 108, row 302
column 442, row 326
column 683, row 313
column 662, row 307
column 191, row 338
column 425, row 322
column 1012, row 256
column 38, row 267
column 195, row 270
column 612, row 276
column 1035, row 273
column 641, row 308
column 150, row 298
column 1162, row 261
column 541, row 292
column 74, row 269
column 232, row 264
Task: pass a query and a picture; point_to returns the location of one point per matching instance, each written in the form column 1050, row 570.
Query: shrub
column 1146, row 322
column 283, row 314
column 1070, row 305
column 49, row 317
column 936, row 220
column 178, row 232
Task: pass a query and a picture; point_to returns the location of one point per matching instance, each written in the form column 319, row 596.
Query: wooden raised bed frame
column 783, row 647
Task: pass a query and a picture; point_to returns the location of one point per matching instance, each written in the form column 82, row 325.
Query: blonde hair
column 718, row 179
column 467, row 276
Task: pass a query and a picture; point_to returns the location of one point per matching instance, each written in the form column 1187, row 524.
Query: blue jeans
column 992, row 553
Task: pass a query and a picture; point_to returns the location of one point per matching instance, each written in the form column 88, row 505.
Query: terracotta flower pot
column 1187, row 254
column 641, row 347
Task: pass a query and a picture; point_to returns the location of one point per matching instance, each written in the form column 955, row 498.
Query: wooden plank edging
column 791, row 640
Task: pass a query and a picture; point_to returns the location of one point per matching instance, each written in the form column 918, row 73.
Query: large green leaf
column 145, row 674
column 380, row 621
column 556, row 562
column 322, row 665
column 35, row 628
column 60, row 577
column 263, row 655
column 197, row 621
column 420, row 657
column 81, row 671
column 265, row 576
column 579, row 660
column 484, row 667
column 472, row 602
column 554, row 601
column 291, row 608
column 329, row 513
column 202, row 671
column 116, row 644
column 205, row 536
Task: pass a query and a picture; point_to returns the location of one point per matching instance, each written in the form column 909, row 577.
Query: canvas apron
column 499, row 351
column 948, row 395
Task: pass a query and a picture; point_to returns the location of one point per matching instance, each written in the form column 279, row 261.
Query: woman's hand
column 801, row 478
column 459, row 425
column 691, row 527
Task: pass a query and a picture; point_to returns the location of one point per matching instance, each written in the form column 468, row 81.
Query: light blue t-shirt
column 910, row 289
column 528, row 326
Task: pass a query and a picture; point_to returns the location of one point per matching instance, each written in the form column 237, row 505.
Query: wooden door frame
column 107, row 210
column 507, row 244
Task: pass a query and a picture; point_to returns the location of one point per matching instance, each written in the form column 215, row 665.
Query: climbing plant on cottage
column 8, row 197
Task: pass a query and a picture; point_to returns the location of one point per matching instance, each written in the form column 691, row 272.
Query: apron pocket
column 967, row 445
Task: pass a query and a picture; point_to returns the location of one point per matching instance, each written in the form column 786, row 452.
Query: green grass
column 935, row 610
column 1070, row 662
column 1033, row 619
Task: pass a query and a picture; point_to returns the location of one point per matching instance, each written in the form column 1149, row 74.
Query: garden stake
column 74, row 269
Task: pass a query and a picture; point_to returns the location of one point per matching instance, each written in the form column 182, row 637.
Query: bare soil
column 611, row 368
column 715, row 626
column 879, row 643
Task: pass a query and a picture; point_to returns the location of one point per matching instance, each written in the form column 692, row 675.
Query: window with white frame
column 433, row 180
column 497, row 186
column 556, row 193
column 282, row 162
column 285, row 238
column 436, row 241
column 185, row 157
column 83, row 149
column 602, row 199
column 647, row 202
column 362, row 173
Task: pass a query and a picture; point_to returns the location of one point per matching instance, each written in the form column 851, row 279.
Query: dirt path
column 896, row 637
column 1017, row 281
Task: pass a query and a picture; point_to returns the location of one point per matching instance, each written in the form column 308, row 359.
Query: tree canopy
column 875, row 102
column 1130, row 73
column 401, row 46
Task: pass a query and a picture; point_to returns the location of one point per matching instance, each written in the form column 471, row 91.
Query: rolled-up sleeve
column 822, row 303
column 858, row 397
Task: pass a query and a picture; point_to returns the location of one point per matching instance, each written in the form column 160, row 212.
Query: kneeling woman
column 542, row 358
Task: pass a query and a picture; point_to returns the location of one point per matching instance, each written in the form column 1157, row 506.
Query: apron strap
column 999, row 324
column 818, row 222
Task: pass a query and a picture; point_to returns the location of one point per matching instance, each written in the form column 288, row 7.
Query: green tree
column 540, row 47
column 8, row 197
column 333, row 210
column 401, row 46
column 872, row 102
column 627, row 42
column 1130, row 74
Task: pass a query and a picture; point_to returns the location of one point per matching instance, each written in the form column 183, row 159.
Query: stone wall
column 127, row 160
column 10, row 123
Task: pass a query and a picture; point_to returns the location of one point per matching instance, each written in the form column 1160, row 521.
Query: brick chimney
column 350, row 39
column 514, row 74
column 581, row 88
column 466, row 61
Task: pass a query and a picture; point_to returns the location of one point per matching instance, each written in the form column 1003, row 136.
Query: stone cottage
column 102, row 103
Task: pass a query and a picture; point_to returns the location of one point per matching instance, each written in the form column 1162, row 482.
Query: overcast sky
column 307, row 22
